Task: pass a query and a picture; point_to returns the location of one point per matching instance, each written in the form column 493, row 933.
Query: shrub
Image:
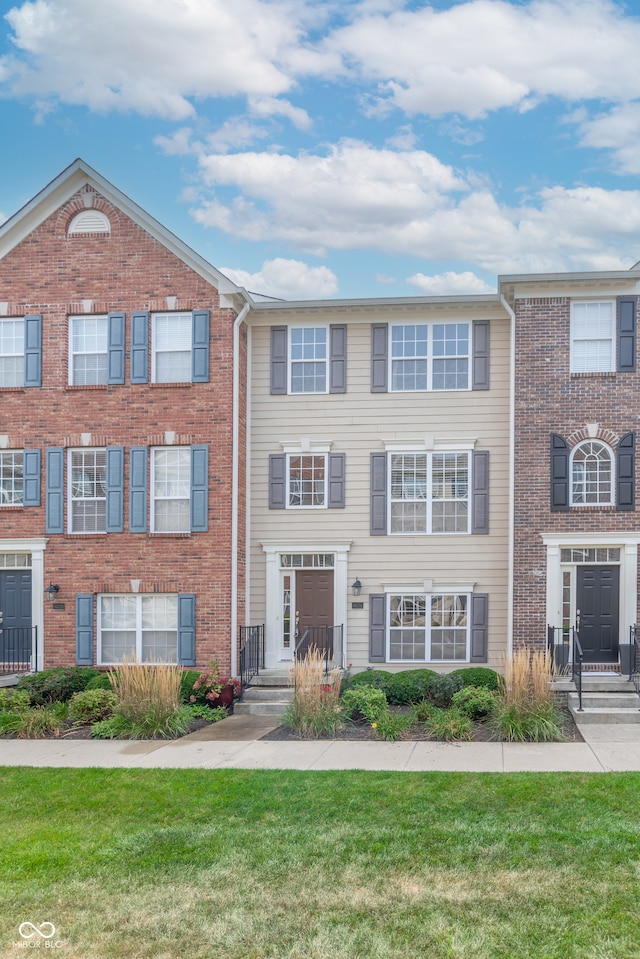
column 408, row 687
column 388, row 725
column 526, row 710
column 377, row 678
column 153, row 727
column 149, row 698
column 451, row 725
column 92, row 705
column 315, row 710
column 57, row 684
column 364, row 703
column 187, row 679
column 443, row 688
column 476, row 702
column 211, row 714
column 101, row 681
column 14, row 701
column 480, row 676
column 425, row 710
column 38, row 722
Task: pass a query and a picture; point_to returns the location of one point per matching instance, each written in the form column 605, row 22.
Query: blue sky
column 350, row 148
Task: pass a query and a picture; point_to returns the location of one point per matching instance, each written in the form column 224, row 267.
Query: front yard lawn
column 335, row 865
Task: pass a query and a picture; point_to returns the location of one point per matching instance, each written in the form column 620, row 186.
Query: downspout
column 235, row 476
column 512, row 473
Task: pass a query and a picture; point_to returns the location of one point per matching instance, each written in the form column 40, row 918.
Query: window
column 307, row 480
column 172, row 340
column 432, row 628
column 88, row 495
column 430, row 356
column 592, row 337
column 11, row 477
column 88, row 363
column 11, row 352
column 429, row 493
column 138, row 624
column 308, row 360
column 591, row 475
column 171, row 486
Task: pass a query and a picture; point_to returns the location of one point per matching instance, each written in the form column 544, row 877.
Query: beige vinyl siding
column 359, row 423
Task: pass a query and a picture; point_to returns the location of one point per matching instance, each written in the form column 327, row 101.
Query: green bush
column 187, row 679
column 364, row 703
column 149, row 727
column 410, row 686
column 212, row 714
column 377, row 678
column 476, row 702
column 388, row 725
column 101, row 681
column 443, row 688
column 480, row 676
column 452, row 725
column 14, row 701
column 92, row 705
column 56, row 685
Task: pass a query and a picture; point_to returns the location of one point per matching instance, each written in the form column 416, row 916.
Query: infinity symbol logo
column 46, row 930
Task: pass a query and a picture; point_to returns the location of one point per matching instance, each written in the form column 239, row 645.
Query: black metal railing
column 558, row 647
column 328, row 640
column 634, row 659
column 18, row 649
column 251, row 642
column 577, row 659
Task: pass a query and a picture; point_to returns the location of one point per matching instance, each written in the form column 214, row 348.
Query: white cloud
column 618, row 131
column 450, row 283
column 287, row 279
column 384, row 279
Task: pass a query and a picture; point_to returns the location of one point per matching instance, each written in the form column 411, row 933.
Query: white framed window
column 11, row 351
column 171, row 489
column 591, row 474
column 88, row 350
column 144, row 625
column 593, row 336
column 308, row 347
column 11, row 477
column 172, row 335
column 428, row 627
column 306, row 479
column 429, row 356
column 429, row 492
column 87, row 478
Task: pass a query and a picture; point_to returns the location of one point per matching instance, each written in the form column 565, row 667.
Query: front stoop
column 605, row 699
column 268, row 695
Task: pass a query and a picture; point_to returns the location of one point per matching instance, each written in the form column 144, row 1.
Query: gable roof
column 68, row 183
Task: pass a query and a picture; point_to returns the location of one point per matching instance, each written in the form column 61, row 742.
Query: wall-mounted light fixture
column 356, row 587
column 51, row 591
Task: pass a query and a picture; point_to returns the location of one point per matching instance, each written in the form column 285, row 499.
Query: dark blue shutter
column 336, row 467
column 378, row 494
column 33, row 350
column 55, row 491
column 379, row 358
column 479, row 627
column 626, row 308
column 31, row 469
column 626, row 473
column 116, row 341
column 559, row 474
column 337, row 358
column 199, row 489
column 480, row 492
column 187, row 629
column 139, row 347
column 200, row 347
column 277, row 481
column 115, row 489
column 278, row 360
column 138, row 459
column 480, row 359
column 84, row 629
column 377, row 628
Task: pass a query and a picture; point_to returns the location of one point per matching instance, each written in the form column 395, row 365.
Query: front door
column 15, row 618
column 597, row 612
column 314, row 600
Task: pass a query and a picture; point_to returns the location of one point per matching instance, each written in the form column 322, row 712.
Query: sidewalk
column 606, row 748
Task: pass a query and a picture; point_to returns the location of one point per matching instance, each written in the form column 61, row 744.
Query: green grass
column 336, row 865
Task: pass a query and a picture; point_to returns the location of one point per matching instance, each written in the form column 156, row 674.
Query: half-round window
column 89, row 221
column 591, row 475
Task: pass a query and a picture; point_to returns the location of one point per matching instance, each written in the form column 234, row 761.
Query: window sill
column 599, row 375
column 72, row 387
column 169, row 535
column 92, row 535
column 595, row 507
column 11, row 506
column 169, row 386
column 14, row 389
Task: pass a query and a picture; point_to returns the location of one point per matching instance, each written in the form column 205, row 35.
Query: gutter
column 512, row 474
column 235, row 475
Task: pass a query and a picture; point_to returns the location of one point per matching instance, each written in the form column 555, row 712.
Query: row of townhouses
column 429, row 480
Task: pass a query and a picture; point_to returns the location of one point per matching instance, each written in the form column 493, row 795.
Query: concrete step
column 271, row 677
column 600, row 684
column 260, row 708
column 621, row 704
column 590, row 715
column 268, row 694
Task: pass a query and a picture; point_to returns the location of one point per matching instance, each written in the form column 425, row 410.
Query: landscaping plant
column 315, row 710
column 149, row 700
column 363, row 703
column 443, row 688
column 476, row 702
column 389, row 725
column 526, row 710
column 378, row 678
column 92, row 706
column 480, row 676
column 410, row 686
column 452, row 725
column 57, row 684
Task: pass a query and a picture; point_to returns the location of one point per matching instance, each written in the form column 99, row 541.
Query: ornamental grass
column 315, row 710
column 148, row 694
column 526, row 710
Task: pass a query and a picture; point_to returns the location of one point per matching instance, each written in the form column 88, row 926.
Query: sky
column 342, row 148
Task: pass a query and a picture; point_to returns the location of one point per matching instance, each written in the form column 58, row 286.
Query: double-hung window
column 429, row 356
column 11, row 477
column 429, row 492
column 11, row 351
column 171, row 486
column 172, row 341
column 88, row 491
column 307, row 480
column 308, row 359
column 141, row 625
column 88, row 350
column 428, row 628
column 593, row 336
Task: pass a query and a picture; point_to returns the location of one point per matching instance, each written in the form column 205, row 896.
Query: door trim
column 36, row 547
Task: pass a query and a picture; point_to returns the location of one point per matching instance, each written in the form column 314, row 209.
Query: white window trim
column 14, row 319
column 611, row 500
column 4, row 452
column 427, row 643
column 70, row 498
column 612, row 360
column 152, row 497
column 138, row 628
column 429, row 493
column 322, row 505
column 154, row 316
column 72, row 353
column 290, row 361
column 430, row 324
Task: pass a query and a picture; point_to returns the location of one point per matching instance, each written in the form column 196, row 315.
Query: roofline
column 632, row 274
column 485, row 298
column 67, row 183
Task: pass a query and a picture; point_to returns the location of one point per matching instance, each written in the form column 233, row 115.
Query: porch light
column 356, row 587
column 51, row 591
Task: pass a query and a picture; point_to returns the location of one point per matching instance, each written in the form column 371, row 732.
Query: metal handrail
column 251, row 642
column 18, row 649
column 576, row 664
column 326, row 639
column 634, row 659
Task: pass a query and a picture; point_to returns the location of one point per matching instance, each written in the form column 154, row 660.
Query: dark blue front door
column 15, row 618
column 597, row 603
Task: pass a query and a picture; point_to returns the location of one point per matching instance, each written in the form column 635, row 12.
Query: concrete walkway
column 235, row 744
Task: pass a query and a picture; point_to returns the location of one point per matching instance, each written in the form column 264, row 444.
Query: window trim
column 430, row 358
column 427, row 596
column 152, row 471
column 138, row 628
column 3, row 452
column 290, row 361
column 612, row 475
column 69, row 491
column 613, row 334
column 325, row 459
column 429, row 501
column 186, row 314
column 88, row 316
column 21, row 383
